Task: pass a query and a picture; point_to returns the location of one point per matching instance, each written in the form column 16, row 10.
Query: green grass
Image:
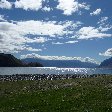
column 73, row 95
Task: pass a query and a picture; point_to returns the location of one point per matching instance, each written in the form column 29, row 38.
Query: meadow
column 90, row 94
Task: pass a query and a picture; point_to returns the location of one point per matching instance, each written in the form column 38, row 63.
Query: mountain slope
column 8, row 60
column 61, row 63
column 106, row 63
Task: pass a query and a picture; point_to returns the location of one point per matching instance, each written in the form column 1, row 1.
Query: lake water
column 52, row 70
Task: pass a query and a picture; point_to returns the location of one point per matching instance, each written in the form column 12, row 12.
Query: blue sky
column 57, row 29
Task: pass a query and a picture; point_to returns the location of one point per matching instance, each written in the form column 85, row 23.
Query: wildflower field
column 70, row 95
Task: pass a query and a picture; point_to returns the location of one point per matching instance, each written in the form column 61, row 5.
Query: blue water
column 53, row 70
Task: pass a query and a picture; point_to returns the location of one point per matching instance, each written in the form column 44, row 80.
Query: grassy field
column 71, row 95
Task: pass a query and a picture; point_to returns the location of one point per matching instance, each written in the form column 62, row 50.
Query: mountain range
column 61, row 63
column 8, row 60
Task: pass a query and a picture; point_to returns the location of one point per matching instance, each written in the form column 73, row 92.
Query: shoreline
column 31, row 77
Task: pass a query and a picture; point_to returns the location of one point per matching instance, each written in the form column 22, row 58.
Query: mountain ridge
column 61, row 63
column 106, row 63
column 8, row 60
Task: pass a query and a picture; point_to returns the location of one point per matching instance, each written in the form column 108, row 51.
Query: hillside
column 8, row 60
column 106, row 63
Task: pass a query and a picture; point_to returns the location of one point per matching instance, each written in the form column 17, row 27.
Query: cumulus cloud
column 33, row 55
column 40, row 28
column 21, row 33
column 13, row 43
column 96, row 12
column 50, row 28
column 91, row 32
column 108, row 52
column 71, row 42
column 14, row 37
column 29, row 4
column 71, row 7
column 68, row 7
column 5, row 4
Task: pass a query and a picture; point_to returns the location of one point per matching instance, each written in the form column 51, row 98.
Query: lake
column 53, row 70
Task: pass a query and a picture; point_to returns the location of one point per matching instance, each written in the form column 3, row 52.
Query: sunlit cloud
column 71, row 7
column 96, row 12
column 29, row 4
column 21, row 33
column 71, row 42
column 91, row 32
column 5, row 4
column 108, row 52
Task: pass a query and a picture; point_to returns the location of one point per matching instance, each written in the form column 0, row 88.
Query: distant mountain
column 61, row 63
column 8, row 60
column 106, row 63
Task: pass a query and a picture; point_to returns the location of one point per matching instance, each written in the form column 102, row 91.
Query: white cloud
column 2, row 18
column 35, row 5
column 33, row 55
column 36, row 40
column 103, row 24
column 105, row 28
column 71, row 7
column 50, row 28
column 71, row 42
column 46, row 9
column 10, row 43
column 40, row 28
column 13, row 40
column 32, row 49
column 24, row 48
column 29, row 4
column 103, row 20
column 5, row 4
column 96, row 12
column 108, row 52
column 68, row 42
column 22, row 33
column 57, row 43
column 15, row 36
column 91, row 32
column 88, row 59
